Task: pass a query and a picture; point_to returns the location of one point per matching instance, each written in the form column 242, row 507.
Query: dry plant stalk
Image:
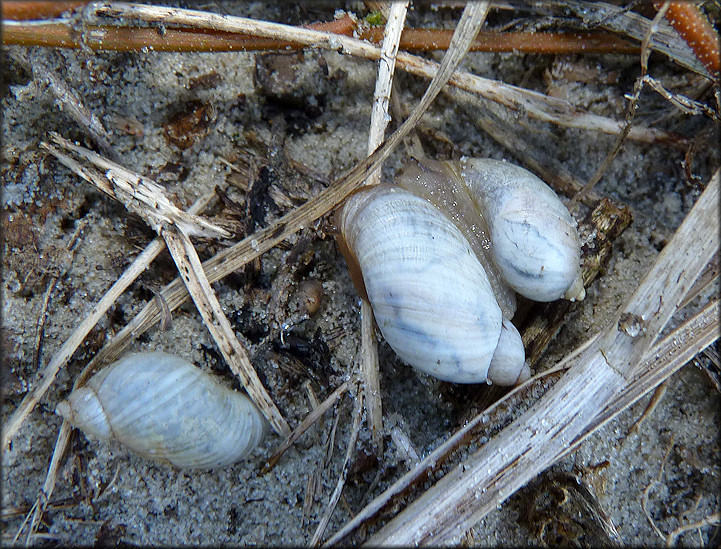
column 352, row 440
column 191, row 270
column 137, row 193
column 69, row 101
column 379, row 122
column 38, row 9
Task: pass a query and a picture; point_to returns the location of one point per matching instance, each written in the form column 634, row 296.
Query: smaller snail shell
column 165, row 408
column 430, row 295
column 535, row 243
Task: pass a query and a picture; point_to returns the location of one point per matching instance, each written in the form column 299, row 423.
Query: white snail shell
column 165, row 408
column 535, row 244
column 440, row 258
column 430, row 295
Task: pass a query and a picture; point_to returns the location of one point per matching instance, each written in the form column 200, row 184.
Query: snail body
column 440, row 256
column 165, row 408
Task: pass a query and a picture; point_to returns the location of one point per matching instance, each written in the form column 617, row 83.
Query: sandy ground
column 106, row 494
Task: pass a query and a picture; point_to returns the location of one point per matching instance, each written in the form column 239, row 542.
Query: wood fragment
column 379, row 122
column 565, row 511
column 311, row 486
column 404, row 445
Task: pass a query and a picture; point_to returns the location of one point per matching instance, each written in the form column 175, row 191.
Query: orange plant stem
column 23, row 10
column 697, row 31
column 111, row 38
column 524, row 42
column 61, row 35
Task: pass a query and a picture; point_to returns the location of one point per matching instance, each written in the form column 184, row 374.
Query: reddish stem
column 61, row 35
column 525, row 42
column 22, row 10
column 697, row 31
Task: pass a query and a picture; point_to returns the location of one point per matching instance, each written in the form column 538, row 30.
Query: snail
column 440, row 255
column 165, row 408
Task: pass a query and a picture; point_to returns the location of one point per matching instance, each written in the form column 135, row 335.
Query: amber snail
column 440, row 254
column 164, row 408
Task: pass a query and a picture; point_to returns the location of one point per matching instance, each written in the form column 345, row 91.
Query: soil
column 292, row 123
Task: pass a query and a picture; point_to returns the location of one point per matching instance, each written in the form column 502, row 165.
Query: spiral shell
column 430, row 295
column 165, row 408
column 534, row 240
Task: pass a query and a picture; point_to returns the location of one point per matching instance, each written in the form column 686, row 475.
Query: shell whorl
column 84, row 410
column 165, row 408
column 430, row 295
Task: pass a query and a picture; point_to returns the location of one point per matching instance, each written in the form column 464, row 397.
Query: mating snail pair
column 439, row 257
column 440, row 254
